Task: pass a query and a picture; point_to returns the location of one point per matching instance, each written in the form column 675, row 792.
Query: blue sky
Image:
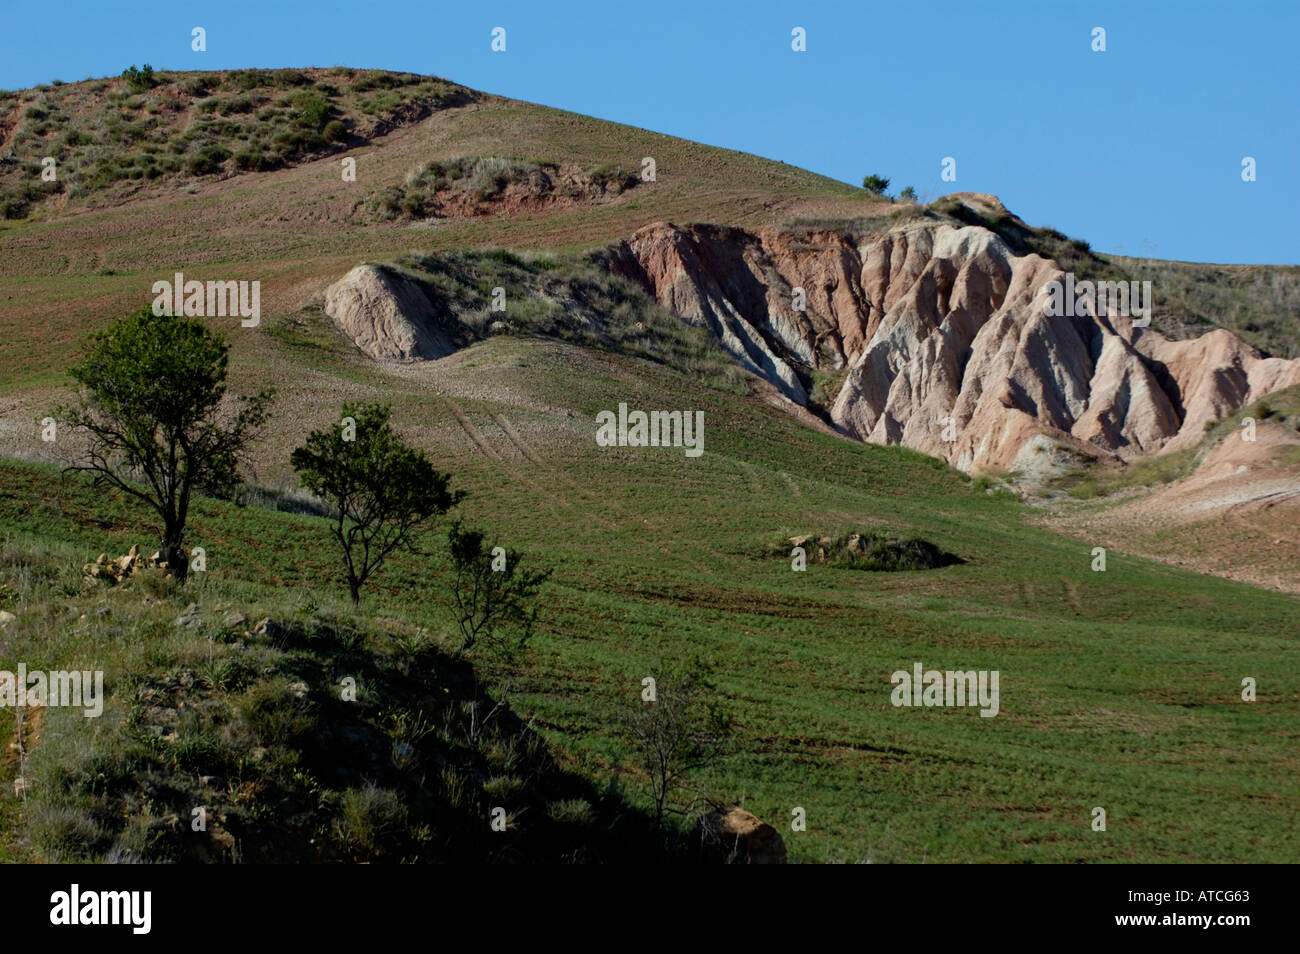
column 1137, row 149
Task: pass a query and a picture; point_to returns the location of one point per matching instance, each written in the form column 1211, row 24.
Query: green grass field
column 1119, row 689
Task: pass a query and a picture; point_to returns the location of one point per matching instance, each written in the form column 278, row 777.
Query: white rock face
column 388, row 316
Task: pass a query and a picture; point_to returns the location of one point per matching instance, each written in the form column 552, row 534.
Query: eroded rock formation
column 947, row 342
column 927, row 334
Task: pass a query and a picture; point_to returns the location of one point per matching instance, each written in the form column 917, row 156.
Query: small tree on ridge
column 876, row 185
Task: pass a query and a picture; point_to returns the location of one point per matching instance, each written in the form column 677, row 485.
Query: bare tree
column 492, row 591
column 677, row 733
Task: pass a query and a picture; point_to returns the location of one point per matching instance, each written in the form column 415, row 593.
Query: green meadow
column 1118, row 689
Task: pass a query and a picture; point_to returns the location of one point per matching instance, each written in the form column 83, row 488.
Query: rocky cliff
column 929, row 332
column 947, row 340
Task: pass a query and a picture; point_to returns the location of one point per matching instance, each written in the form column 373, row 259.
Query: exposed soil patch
column 1236, row 515
column 481, row 185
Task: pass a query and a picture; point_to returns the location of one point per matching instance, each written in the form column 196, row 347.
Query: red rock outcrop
column 947, row 340
column 734, row 283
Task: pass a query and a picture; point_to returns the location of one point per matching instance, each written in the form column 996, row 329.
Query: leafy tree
column 876, row 185
column 381, row 489
column 152, row 409
column 908, row 194
column 677, row 732
column 492, row 592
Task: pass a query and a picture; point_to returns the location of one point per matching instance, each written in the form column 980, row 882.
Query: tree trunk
column 173, row 556
column 175, row 560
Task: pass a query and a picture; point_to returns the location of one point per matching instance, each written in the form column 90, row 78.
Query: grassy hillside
column 112, row 227
column 70, row 266
column 1119, row 689
column 107, row 136
column 228, row 697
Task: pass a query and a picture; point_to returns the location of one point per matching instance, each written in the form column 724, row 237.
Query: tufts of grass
column 1101, row 480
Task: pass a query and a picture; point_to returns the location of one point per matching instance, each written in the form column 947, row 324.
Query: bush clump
column 873, row 550
column 201, row 86
column 254, row 160
column 207, row 161
column 248, row 79
column 310, row 110
column 875, row 184
column 139, row 80
column 459, row 184
column 288, row 78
